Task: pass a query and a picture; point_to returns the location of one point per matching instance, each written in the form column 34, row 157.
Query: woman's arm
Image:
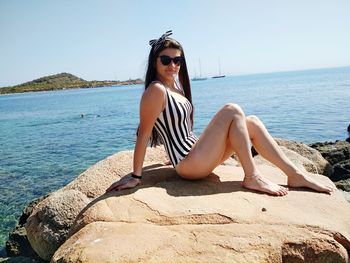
column 152, row 104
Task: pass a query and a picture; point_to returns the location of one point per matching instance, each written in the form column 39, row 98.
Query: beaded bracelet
column 136, row 176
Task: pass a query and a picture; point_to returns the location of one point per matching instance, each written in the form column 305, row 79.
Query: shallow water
column 48, row 138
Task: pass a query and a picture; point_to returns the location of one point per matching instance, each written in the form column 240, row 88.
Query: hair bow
column 156, row 43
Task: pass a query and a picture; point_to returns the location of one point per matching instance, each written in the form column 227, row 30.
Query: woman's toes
column 282, row 192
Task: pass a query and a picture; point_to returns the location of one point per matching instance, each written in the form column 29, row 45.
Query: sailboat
column 200, row 74
column 219, row 76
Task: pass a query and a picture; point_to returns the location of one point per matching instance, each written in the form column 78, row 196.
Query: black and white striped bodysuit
column 175, row 129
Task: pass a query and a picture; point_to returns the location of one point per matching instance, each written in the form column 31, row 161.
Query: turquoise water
column 45, row 142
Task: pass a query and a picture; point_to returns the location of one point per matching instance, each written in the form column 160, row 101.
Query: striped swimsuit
column 175, row 129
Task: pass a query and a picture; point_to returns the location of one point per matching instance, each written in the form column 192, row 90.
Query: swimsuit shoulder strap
column 179, row 88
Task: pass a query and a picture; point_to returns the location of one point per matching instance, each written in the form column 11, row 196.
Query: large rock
column 225, row 242
column 343, row 185
column 338, row 154
column 341, row 171
column 48, row 225
column 18, row 244
column 50, row 221
column 170, row 219
column 333, row 152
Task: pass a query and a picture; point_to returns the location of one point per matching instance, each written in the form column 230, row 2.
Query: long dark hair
column 151, row 75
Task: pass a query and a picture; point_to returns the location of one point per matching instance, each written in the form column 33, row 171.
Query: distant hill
column 63, row 81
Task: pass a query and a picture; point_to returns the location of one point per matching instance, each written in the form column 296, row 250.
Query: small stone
column 264, row 209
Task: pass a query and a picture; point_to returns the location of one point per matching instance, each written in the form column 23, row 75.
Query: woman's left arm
column 151, row 106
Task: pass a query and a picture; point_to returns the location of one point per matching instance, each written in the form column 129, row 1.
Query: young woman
column 166, row 115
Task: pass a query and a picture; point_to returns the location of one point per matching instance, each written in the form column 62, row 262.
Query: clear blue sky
column 109, row 39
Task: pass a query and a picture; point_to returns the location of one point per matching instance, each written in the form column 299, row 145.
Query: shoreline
column 243, row 75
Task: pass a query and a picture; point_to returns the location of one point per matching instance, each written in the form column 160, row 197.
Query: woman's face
column 168, row 73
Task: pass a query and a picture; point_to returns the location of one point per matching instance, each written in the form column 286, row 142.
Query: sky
column 108, row 40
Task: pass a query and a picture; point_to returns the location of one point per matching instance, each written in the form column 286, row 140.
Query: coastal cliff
column 169, row 219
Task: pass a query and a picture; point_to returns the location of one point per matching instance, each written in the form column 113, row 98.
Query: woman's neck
column 168, row 83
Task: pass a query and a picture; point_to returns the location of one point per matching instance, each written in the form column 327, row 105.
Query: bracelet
column 136, row 176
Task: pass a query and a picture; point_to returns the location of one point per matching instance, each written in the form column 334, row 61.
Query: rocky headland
column 169, row 219
column 63, row 81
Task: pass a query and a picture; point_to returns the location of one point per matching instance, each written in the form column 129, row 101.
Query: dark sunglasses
column 166, row 60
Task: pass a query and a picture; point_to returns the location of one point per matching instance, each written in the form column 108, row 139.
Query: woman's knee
column 254, row 125
column 233, row 109
column 253, row 120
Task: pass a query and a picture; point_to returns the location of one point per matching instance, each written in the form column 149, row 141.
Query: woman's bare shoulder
column 153, row 99
column 155, row 89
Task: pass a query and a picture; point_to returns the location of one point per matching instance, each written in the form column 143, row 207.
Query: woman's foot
column 258, row 183
column 300, row 180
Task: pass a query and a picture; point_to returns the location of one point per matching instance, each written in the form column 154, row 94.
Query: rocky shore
column 338, row 155
column 169, row 219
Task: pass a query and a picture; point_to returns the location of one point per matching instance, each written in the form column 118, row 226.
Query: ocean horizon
column 48, row 138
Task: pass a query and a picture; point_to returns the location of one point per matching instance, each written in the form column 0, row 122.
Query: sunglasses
column 166, row 60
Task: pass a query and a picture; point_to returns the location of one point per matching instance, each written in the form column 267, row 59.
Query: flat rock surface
column 169, row 219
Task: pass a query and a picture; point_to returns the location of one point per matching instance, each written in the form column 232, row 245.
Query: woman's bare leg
column 269, row 149
column 227, row 127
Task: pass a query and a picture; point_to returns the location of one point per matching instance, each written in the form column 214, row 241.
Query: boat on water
column 220, row 75
column 200, row 73
column 198, row 78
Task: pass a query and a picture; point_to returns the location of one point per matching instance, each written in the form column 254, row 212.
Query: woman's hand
column 124, row 183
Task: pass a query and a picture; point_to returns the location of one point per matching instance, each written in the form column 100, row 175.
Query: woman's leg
column 228, row 129
column 269, row 149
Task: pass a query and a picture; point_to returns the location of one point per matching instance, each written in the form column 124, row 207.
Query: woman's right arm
column 152, row 104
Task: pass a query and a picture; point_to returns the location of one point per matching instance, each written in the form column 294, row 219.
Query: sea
column 48, row 138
